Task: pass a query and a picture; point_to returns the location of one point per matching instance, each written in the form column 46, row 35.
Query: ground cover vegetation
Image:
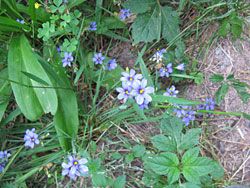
column 77, row 77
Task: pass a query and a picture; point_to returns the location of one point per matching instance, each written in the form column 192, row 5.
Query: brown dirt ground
column 229, row 138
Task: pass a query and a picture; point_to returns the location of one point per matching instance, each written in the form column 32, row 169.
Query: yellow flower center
column 126, row 92
column 37, row 5
column 130, row 78
column 141, row 91
column 75, row 163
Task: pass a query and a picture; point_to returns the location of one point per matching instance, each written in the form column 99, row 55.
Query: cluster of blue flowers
column 124, row 14
column 208, row 105
column 75, row 167
column 98, row 59
column 185, row 113
column 67, row 59
column 4, row 155
column 135, row 86
column 31, row 138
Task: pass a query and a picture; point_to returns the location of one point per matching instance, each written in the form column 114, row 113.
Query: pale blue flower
column 98, row 58
column 111, row 65
column 31, row 138
column 75, row 167
column 124, row 92
column 166, row 71
column 141, row 91
column 172, row 92
column 124, row 14
column 181, row 67
column 92, row 26
column 67, row 59
column 130, row 77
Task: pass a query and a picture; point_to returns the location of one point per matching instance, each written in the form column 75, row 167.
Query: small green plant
column 228, row 82
column 177, row 162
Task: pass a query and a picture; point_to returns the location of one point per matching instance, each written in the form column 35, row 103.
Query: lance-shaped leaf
column 46, row 95
column 21, row 85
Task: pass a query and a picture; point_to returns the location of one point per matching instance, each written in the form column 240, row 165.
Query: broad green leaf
column 5, row 91
column 147, row 27
column 24, row 93
column 35, row 78
column 190, row 155
column 139, row 6
column 189, row 185
column 46, row 96
column 216, row 78
column 99, row 180
column 170, row 23
column 221, row 93
column 164, row 143
column 190, row 139
column 120, row 182
column 218, row 171
column 165, row 164
column 193, row 169
column 138, row 150
column 66, row 120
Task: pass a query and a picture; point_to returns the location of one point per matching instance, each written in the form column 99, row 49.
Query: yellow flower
column 37, row 5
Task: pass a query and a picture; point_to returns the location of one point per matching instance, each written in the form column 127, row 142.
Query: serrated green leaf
column 164, row 143
column 189, row 185
column 99, row 180
column 216, row 78
column 242, row 92
column 221, row 93
column 147, row 27
column 120, row 182
column 224, row 28
column 190, row 139
column 138, row 150
column 139, row 6
column 190, row 155
column 172, row 126
column 193, row 169
column 165, row 164
column 170, row 23
column 218, row 171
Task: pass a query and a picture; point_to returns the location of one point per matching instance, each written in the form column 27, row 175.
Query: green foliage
column 232, row 24
column 179, row 154
column 228, row 82
column 154, row 21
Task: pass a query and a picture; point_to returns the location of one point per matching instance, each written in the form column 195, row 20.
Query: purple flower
column 31, row 138
column 185, row 113
column 4, row 155
column 130, row 77
column 144, row 105
column 181, row 67
column 166, row 71
column 98, row 58
column 75, row 167
column 20, row 21
column 67, row 59
column 141, row 92
column 124, row 92
column 111, row 65
column 158, row 56
column 172, row 92
column 209, row 104
column 124, row 14
column 92, row 26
